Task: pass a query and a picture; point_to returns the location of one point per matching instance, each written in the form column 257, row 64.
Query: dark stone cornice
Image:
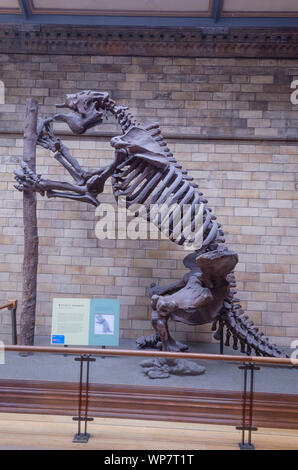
column 181, row 42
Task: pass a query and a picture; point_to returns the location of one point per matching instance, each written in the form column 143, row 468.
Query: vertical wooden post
column 30, row 262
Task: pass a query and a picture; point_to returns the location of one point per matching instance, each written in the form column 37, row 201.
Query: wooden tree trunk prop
column 30, row 262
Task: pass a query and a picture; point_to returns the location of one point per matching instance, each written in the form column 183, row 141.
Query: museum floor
column 126, row 370
column 34, row 432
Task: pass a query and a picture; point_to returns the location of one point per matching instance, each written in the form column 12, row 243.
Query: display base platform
column 48, row 383
column 127, row 370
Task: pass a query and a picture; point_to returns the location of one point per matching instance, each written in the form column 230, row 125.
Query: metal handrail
column 141, row 353
column 10, row 304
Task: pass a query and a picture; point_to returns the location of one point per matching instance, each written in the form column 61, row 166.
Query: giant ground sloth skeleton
column 146, row 172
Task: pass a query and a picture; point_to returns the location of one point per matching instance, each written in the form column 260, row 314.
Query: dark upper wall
column 230, row 83
column 227, row 98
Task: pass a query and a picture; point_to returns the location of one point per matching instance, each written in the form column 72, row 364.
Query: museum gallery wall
column 231, row 124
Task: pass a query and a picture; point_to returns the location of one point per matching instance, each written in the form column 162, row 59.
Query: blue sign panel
column 104, row 322
column 57, row 339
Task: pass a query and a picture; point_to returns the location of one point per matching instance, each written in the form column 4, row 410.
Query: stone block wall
column 229, row 122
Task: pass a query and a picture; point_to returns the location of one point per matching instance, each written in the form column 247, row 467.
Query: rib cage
column 141, row 183
column 166, row 190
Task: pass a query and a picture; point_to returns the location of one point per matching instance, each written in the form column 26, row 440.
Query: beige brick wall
column 252, row 195
column 252, row 186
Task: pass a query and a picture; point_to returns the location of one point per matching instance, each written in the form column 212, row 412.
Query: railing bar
column 9, row 304
column 141, row 353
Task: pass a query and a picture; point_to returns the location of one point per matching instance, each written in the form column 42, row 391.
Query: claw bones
column 28, row 180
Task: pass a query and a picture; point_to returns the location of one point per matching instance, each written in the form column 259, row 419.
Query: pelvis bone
column 198, row 298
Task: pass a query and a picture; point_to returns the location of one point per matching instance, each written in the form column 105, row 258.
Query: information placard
column 93, row 322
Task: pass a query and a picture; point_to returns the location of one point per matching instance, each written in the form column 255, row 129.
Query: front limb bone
column 29, row 181
column 48, row 140
column 94, row 182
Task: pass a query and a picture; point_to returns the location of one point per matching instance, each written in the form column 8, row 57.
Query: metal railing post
column 247, row 424
column 13, row 313
column 79, row 436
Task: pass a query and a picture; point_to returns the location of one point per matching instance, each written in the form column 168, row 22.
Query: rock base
column 164, row 368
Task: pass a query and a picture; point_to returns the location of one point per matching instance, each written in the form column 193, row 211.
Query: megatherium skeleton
column 145, row 172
